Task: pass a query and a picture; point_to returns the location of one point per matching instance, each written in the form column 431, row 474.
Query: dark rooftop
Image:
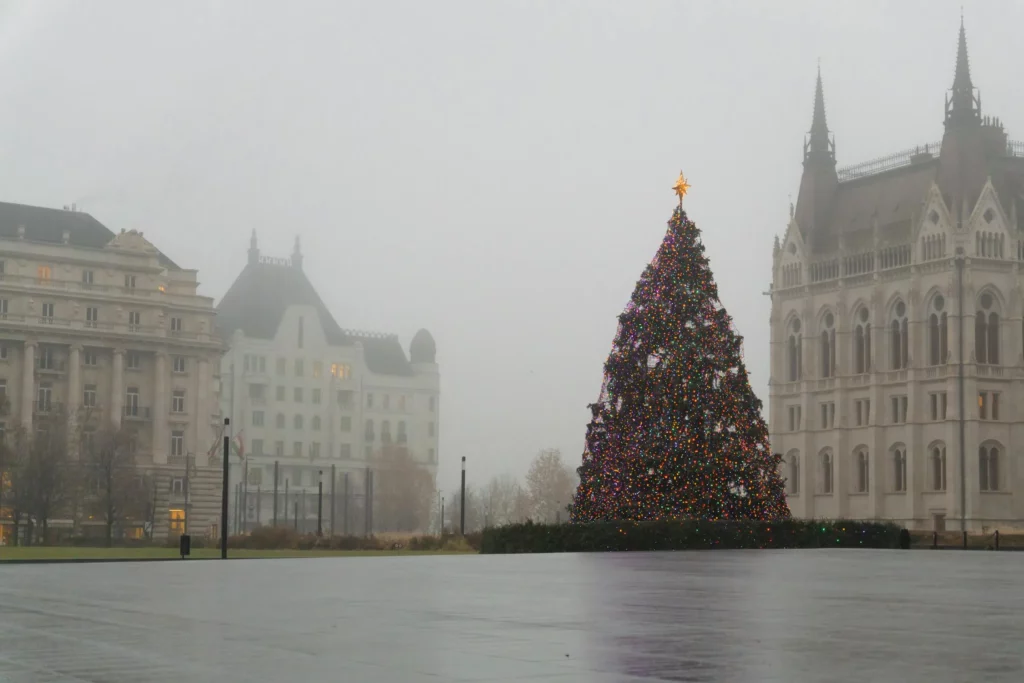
column 48, row 226
column 257, row 300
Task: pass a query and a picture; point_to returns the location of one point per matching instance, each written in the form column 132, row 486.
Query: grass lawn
column 70, row 553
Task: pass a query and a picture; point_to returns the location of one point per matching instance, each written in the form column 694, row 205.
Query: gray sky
column 497, row 172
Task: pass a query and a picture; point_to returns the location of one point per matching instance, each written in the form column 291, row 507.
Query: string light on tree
column 677, row 431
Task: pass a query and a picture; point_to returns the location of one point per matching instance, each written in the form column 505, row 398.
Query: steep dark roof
column 259, row 296
column 384, row 354
column 263, row 291
column 48, row 225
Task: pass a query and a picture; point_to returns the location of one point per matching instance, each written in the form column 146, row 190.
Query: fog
column 497, row 172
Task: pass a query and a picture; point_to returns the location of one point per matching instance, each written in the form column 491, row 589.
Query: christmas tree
column 677, row 431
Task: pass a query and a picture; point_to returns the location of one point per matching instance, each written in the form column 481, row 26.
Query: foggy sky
column 497, row 172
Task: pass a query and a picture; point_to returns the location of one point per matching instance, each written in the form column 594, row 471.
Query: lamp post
column 224, row 494
column 462, row 500
column 960, row 260
column 320, row 504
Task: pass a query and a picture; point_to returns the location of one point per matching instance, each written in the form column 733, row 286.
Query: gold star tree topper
column 681, row 187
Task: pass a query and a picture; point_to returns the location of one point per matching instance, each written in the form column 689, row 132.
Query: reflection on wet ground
column 729, row 616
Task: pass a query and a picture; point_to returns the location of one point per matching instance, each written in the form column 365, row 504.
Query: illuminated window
column 318, row 369
column 43, row 273
column 177, row 520
column 340, row 370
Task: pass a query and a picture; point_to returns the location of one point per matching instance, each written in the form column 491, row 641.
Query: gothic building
column 897, row 366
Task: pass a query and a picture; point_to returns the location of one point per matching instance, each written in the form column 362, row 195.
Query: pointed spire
column 818, row 144
column 297, row 254
column 254, row 251
column 962, row 105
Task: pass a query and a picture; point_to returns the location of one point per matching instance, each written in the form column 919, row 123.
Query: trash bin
column 185, row 545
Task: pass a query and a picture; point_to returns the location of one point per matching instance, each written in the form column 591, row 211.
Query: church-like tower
column 868, row 310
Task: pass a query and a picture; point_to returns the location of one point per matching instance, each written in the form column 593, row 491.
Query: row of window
column 988, row 470
column 346, row 397
column 52, row 358
column 988, row 410
column 986, row 339
column 258, row 364
column 317, row 450
column 44, row 273
column 47, row 315
column 298, row 422
column 132, row 406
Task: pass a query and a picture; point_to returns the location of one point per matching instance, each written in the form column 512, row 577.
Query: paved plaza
column 729, row 616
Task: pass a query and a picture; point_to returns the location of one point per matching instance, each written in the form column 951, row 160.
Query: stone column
column 74, row 380
column 28, row 384
column 161, row 437
column 117, row 389
column 201, row 419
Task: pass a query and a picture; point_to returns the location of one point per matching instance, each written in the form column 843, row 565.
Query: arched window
column 862, row 463
column 899, row 469
column 368, row 433
column 988, row 467
column 986, row 330
column 298, row 422
column 938, row 463
column 862, row 342
column 938, row 329
column 828, row 345
column 793, row 472
column 793, row 351
column 826, row 472
column 898, row 342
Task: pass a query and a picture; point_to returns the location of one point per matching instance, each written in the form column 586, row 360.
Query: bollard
column 185, row 545
column 997, row 539
column 935, row 540
column 904, row 539
column 965, row 540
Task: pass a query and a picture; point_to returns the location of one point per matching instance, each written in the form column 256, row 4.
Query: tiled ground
column 736, row 617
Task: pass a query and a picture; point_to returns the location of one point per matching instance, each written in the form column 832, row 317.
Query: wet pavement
column 720, row 616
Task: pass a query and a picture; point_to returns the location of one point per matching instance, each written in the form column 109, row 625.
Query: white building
column 98, row 326
column 865, row 328
column 304, row 394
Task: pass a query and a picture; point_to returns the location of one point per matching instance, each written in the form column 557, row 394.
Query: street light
column 462, row 500
column 320, row 504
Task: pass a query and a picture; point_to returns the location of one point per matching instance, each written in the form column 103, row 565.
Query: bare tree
column 46, row 474
column 403, row 491
column 474, row 511
column 16, row 491
column 551, row 484
column 504, row 501
column 118, row 491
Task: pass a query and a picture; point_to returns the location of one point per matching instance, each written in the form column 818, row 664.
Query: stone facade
column 100, row 326
column 867, row 314
column 307, row 395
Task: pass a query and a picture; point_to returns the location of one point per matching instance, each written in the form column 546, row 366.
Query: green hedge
column 687, row 535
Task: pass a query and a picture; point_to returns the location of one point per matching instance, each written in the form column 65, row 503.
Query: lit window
column 43, row 273
column 177, row 521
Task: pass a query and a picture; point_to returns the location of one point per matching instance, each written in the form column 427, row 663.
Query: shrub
column 688, row 535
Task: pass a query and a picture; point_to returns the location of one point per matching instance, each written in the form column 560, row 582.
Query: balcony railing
column 103, row 326
column 47, row 407
column 136, row 412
